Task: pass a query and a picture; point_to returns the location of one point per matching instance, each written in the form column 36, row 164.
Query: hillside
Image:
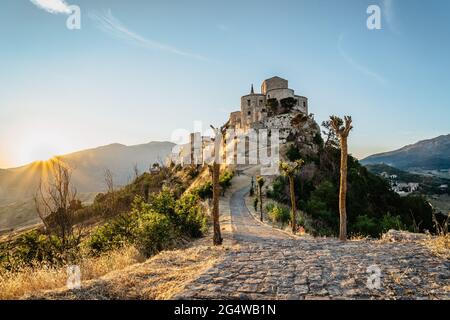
column 431, row 154
column 18, row 185
column 429, row 184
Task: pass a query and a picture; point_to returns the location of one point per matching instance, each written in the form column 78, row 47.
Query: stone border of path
column 256, row 217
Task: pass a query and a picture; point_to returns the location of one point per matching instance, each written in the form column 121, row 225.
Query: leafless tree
column 56, row 204
column 110, row 193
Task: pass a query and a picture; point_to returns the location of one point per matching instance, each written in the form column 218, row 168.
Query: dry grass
column 439, row 245
column 15, row 285
column 160, row 277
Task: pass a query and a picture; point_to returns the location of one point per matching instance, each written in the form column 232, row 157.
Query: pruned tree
column 214, row 169
column 342, row 129
column 260, row 182
column 56, row 204
column 289, row 170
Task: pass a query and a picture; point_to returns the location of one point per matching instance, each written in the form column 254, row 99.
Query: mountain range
column 431, row 154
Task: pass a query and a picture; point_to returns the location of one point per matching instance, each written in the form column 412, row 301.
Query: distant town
column 404, row 188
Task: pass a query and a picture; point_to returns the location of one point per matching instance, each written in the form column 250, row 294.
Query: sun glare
column 40, row 146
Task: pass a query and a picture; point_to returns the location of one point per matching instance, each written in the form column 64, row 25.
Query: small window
column 249, row 113
column 248, row 103
column 304, row 104
column 263, row 110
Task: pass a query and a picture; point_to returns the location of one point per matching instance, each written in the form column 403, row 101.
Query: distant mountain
column 432, row 154
column 18, row 185
column 88, row 168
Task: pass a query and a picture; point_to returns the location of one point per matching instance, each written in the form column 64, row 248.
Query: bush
column 391, row 222
column 318, row 139
column 114, row 234
column 192, row 171
column 279, row 214
column 270, row 206
column 191, row 220
column 225, row 180
column 273, row 104
column 33, row 248
column 366, row 225
column 204, row 191
column 293, row 153
column 154, row 233
column 288, row 103
column 163, row 202
column 278, row 190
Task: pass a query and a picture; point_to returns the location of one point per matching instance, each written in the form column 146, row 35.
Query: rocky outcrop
column 403, row 236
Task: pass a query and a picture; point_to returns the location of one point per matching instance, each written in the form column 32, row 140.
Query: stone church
column 254, row 106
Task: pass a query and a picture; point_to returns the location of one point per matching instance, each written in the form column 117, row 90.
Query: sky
column 136, row 71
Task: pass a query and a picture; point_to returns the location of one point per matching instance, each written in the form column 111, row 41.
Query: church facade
column 255, row 107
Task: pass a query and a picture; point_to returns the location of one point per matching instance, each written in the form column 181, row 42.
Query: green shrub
column 204, row 191
column 273, row 104
column 280, row 214
column 113, row 235
column 318, row 139
column 288, row 103
column 389, row 221
column 33, row 247
column 154, row 233
column 293, row 153
column 365, row 225
column 192, row 171
column 270, row 206
column 190, row 218
column 162, row 202
column 278, row 190
column 225, row 180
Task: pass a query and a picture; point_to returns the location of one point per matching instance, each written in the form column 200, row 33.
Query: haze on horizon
column 137, row 71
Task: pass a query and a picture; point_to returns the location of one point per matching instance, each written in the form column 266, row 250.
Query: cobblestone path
column 270, row 264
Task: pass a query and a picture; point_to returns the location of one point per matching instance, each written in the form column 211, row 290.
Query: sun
column 40, row 146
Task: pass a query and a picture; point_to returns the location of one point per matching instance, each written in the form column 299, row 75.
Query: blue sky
column 138, row 70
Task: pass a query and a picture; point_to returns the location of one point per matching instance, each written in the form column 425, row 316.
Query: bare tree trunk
column 342, row 132
column 343, row 191
column 260, row 203
column 293, row 204
column 217, row 238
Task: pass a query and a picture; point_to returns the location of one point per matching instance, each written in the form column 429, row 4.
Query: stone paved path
column 270, row 264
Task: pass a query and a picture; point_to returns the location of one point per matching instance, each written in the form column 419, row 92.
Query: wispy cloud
column 361, row 68
column 389, row 15
column 111, row 25
column 52, row 6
